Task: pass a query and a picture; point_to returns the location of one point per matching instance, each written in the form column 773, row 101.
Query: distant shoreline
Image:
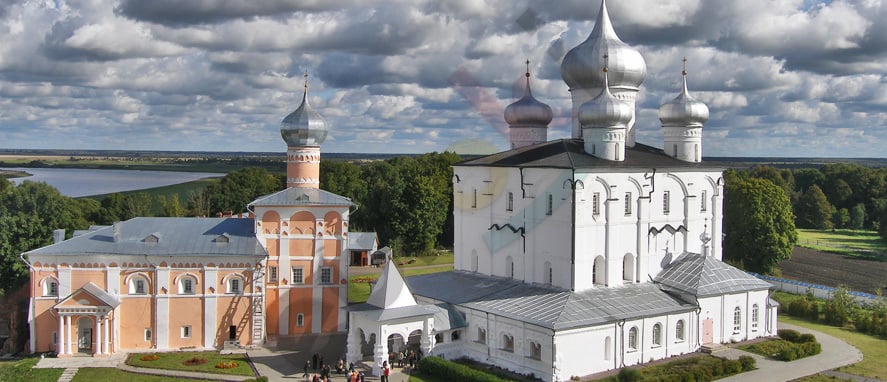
column 9, row 174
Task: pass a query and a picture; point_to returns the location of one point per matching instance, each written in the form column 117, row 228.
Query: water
column 77, row 182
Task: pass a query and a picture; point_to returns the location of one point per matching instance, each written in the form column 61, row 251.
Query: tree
column 758, row 223
column 806, row 177
column 170, row 207
column 813, row 210
column 857, row 216
column 234, row 191
column 841, row 218
column 119, row 207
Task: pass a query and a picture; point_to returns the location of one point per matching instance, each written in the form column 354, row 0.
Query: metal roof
column 175, row 237
column 95, row 291
column 702, row 275
column 570, row 154
column 544, row 305
column 361, row 240
column 302, row 196
column 373, row 313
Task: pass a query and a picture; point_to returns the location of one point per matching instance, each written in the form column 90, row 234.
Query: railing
column 820, row 291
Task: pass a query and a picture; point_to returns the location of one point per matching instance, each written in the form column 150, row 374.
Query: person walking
column 307, row 366
column 385, row 372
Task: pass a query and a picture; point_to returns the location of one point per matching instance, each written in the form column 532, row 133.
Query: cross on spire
column 528, row 68
column 606, row 62
column 684, row 72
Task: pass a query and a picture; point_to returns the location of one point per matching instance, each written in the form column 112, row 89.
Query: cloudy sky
column 781, row 77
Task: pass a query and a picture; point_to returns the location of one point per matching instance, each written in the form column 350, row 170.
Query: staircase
column 258, row 307
column 711, row 348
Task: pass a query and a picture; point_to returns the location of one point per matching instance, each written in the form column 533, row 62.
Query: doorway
column 232, row 332
column 707, row 325
column 84, row 335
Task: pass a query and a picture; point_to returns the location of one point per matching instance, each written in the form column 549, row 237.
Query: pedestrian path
column 835, row 353
column 68, row 374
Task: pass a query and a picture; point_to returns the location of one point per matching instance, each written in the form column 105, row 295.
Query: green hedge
column 688, row 369
column 792, row 346
column 452, row 371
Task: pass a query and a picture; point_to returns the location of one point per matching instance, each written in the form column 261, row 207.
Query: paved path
column 835, row 353
column 286, row 365
column 68, row 374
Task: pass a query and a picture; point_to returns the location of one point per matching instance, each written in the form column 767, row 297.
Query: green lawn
column 874, row 350
column 844, row 241
column 175, row 361
column 94, row 374
column 359, row 287
column 23, row 371
column 445, row 258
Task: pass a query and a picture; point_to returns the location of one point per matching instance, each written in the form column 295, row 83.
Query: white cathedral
column 578, row 255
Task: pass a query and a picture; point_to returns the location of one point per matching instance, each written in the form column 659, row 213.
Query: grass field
column 23, row 371
column 184, row 191
column 844, row 241
column 874, row 350
column 359, row 287
column 175, row 361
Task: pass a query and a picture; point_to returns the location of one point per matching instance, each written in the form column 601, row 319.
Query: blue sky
column 781, row 77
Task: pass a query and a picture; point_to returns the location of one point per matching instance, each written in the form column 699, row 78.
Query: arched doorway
column 84, row 334
column 396, row 343
column 414, row 340
column 367, row 344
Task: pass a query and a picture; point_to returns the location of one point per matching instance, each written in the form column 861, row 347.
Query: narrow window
column 657, row 335
column 509, row 266
column 737, row 320
column 186, row 332
column 627, row 203
column 474, row 263
column 679, row 330
column 298, row 276
column 234, row 286
column 147, row 335
column 535, row 351
column 272, row 274
column 326, row 275
column 438, row 338
column 55, row 338
column 139, row 286
column 696, row 151
column 508, row 343
column 187, row 286
column 509, row 202
column 633, row 338
column 53, row 289
column 481, row 335
column 474, row 199
column 675, row 150
column 666, row 202
column 704, row 202
column 754, row 317
column 300, row 320
column 596, row 203
column 607, row 346
column 454, row 336
column 548, row 273
column 549, row 205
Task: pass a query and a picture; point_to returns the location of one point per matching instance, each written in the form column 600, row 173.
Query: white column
column 60, row 344
column 98, row 336
column 106, row 345
column 68, row 334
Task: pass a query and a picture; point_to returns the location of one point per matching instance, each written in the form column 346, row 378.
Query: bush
column 748, row 363
column 806, row 337
column 789, row 335
column 451, row 371
column 149, row 357
column 732, row 366
column 629, row 375
column 194, row 361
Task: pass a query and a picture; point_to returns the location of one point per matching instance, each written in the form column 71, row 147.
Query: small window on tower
column 549, row 205
column 509, row 202
column 596, row 203
column 627, row 203
column 474, row 199
column 704, row 201
column 666, row 202
column 272, row 274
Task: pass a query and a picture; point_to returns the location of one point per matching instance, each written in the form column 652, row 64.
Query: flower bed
column 204, row 362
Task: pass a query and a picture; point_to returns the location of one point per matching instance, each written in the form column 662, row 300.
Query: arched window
column 187, row 284
column 535, row 351
column 657, row 334
column 679, row 330
column 633, row 338
column 607, row 348
column 300, row 320
column 754, row 317
column 455, row 336
column 438, row 338
column 234, row 283
column 481, row 335
column 137, row 284
column 598, row 270
column 50, row 287
column 509, row 267
column 737, row 320
column 628, row 268
column 508, row 343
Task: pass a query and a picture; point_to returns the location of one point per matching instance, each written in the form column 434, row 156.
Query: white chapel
column 579, row 255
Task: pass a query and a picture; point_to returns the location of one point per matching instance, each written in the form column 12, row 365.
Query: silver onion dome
column 605, row 110
column 528, row 110
column 684, row 110
column 304, row 127
column 581, row 67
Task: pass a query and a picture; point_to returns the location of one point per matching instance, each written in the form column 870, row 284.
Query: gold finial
column 684, row 72
column 606, row 62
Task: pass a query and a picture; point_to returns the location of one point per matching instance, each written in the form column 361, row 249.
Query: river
column 77, row 182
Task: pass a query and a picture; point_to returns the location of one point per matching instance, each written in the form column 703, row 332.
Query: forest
column 407, row 201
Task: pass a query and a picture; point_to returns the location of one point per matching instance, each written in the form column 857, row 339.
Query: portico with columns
column 84, row 322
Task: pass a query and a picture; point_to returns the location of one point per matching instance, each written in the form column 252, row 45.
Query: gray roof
column 177, row 236
column 544, row 305
column 570, row 154
column 448, row 318
column 374, row 313
column 95, row 291
column 702, row 276
column 361, row 240
column 302, row 196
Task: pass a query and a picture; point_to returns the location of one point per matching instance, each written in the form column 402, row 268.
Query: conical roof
column 390, row 291
column 684, row 110
column 303, row 127
column 581, row 67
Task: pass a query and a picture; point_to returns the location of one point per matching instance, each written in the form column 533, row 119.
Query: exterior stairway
column 711, row 348
column 258, row 327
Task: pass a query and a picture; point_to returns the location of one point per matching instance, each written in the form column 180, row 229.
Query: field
column 857, row 259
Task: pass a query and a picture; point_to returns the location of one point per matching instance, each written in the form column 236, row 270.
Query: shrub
column 628, row 375
column 806, row 337
column 451, row 371
column 789, row 335
column 840, row 307
column 732, row 366
column 194, row 361
column 748, row 363
column 149, row 357
column 225, row 364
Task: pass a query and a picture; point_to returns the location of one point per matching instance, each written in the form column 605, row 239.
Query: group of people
column 316, row 362
column 404, row 356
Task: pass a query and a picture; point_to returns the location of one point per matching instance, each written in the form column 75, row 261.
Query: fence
column 820, row 291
